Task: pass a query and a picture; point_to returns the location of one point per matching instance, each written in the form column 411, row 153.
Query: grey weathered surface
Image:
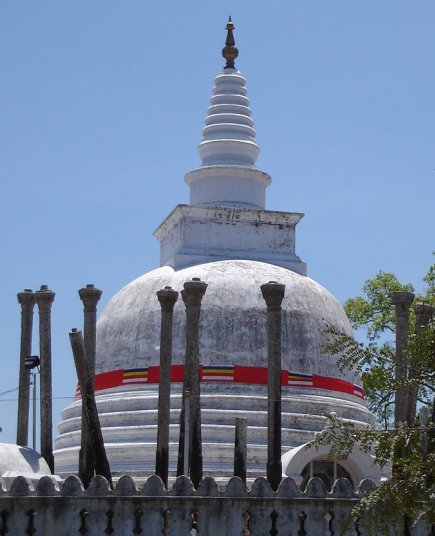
column 192, row 294
column 88, row 403
column 232, row 323
column 402, row 301
column 240, row 448
column 423, row 313
column 90, row 297
column 167, row 298
column 260, row 235
column 273, row 294
column 59, row 510
column 44, row 299
column 27, row 302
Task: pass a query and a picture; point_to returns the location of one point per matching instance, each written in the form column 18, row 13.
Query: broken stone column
column 192, row 295
column 27, row 301
column 273, row 294
column 424, row 420
column 240, row 448
column 402, row 301
column 90, row 297
column 167, row 298
column 423, row 313
column 44, row 299
column 102, row 466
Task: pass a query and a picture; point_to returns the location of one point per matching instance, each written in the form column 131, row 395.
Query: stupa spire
column 228, row 149
column 230, row 51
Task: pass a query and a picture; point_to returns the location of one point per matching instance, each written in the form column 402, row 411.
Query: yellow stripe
column 133, row 374
column 218, row 371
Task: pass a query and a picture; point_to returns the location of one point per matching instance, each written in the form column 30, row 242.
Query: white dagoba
column 16, row 460
column 226, row 237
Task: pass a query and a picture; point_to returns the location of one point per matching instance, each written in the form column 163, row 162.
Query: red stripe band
column 213, row 374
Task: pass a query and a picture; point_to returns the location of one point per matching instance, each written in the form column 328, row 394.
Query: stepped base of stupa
column 129, row 425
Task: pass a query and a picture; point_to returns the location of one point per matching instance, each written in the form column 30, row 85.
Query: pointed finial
column 230, row 51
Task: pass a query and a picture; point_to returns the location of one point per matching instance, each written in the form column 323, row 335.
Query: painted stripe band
column 228, row 374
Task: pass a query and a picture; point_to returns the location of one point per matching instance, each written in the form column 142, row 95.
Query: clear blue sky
column 101, row 109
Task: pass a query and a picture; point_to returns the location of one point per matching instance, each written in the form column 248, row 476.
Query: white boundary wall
column 67, row 510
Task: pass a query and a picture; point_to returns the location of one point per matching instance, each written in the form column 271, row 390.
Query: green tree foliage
column 373, row 311
column 409, row 447
column 408, row 496
column 374, row 317
column 429, row 279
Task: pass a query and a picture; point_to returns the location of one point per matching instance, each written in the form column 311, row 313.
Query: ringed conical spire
column 230, row 51
column 228, row 149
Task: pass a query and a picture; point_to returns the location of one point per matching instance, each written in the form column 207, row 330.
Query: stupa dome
column 233, row 355
column 16, row 461
column 233, row 320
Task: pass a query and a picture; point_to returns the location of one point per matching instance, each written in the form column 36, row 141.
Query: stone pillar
column 424, row 420
column 402, row 301
column 102, row 466
column 273, row 294
column 167, row 298
column 192, row 295
column 240, row 448
column 90, row 297
column 44, row 299
column 423, row 314
column 27, row 302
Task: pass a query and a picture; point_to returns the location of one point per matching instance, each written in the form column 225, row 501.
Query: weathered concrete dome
column 233, row 352
column 233, row 319
column 21, row 461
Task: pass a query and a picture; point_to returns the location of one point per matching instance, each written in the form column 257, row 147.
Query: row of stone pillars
column 406, row 395
column 92, row 455
column 405, row 401
column 190, row 462
column 44, row 298
column 190, row 444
